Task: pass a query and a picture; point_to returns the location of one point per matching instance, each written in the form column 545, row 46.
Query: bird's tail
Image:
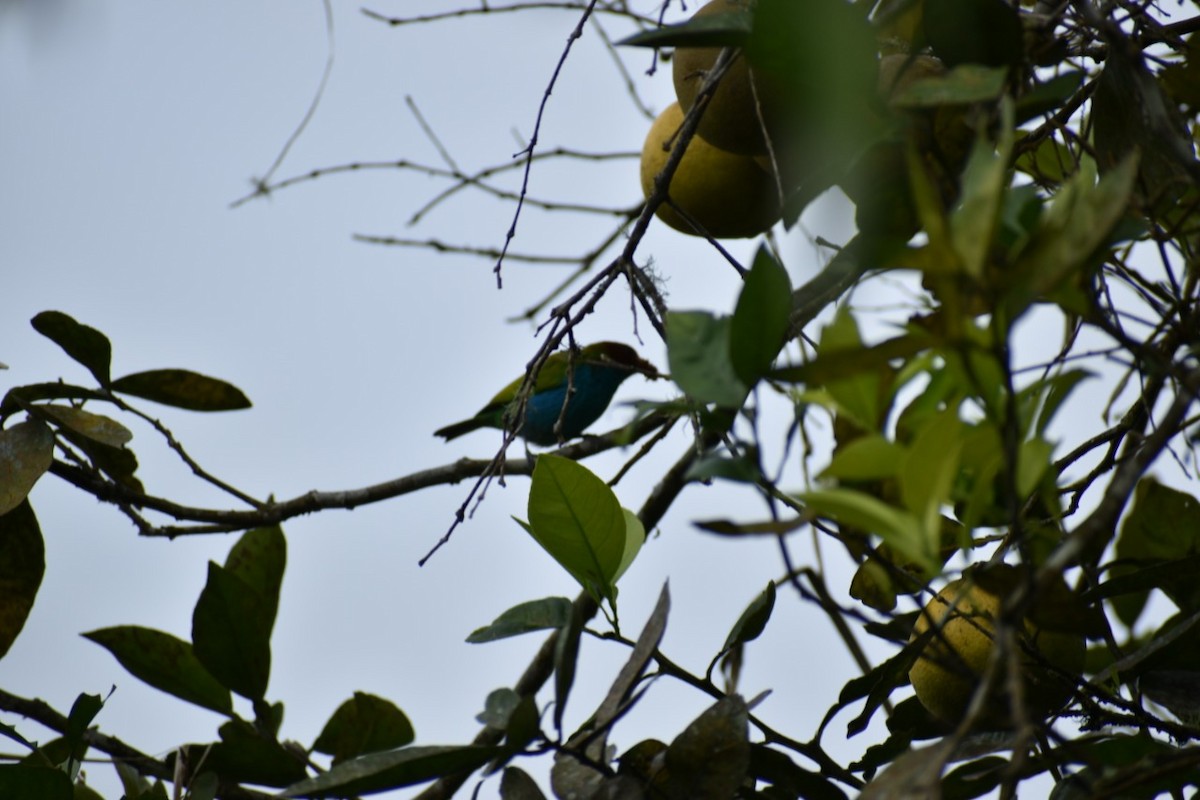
column 458, row 429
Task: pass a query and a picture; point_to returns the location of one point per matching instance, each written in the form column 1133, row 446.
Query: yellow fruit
column 728, row 194
column 731, row 120
column 949, row 668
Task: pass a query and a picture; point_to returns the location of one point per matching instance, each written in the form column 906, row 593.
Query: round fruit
column 731, row 120
column 728, row 194
column 951, row 664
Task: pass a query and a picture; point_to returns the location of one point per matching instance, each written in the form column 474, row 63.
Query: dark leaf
column 363, row 724
column 917, row 773
column 724, row 527
column 183, row 389
column 534, row 615
column 1163, row 525
column 523, row 726
column 963, row 85
column 760, row 320
column 780, row 772
column 975, row 779
column 118, row 463
column 643, row 650
column 26, row 452
column 711, row 758
column 19, row 397
column 22, row 564
column 712, row 30
column 1047, row 96
column 231, row 633
column 1176, row 690
column 753, row 621
column 740, row 469
column 876, row 686
column 974, row 32
column 498, row 707
column 86, row 345
column 246, row 755
column 88, row 425
column 166, row 663
column 259, row 558
column 378, row 772
column 566, row 653
column 1130, row 112
column 83, row 711
column 42, row 783
column 516, row 784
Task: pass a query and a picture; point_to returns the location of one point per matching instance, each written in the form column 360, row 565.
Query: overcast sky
column 126, row 130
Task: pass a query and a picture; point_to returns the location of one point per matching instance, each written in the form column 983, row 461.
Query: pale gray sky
column 126, row 129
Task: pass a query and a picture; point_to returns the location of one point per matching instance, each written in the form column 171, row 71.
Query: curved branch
column 44, row 714
column 229, row 520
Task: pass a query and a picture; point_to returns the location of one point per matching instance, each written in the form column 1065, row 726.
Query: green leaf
column 231, row 633
column 863, row 396
column 259, row 558
column 841, row 360
column 1162, row 526
column 42, row 783
column 698, row 353
column 739, row 469
column 965, row 84
column 378, row 772
column 165, row 662
column 974, row 221
column 498, row 708
column 712, row 30
column 760, row 320
column 183, row 389
column 635, row 537
column 1074, row 227
column 91, row 426
column 930, row 467
column 1049, row 95
column 22, row 564
column 1049, row 161
column 576, row 518
column 533, row 615
column 867, row 458
column 26, row 452
column 363, row 724
column 753, row 621
column 86, row 345
column 900, row 530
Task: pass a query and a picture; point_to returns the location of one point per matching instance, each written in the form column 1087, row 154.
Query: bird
column 593, row 375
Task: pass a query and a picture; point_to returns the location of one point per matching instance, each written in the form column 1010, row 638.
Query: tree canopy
column 987, row 567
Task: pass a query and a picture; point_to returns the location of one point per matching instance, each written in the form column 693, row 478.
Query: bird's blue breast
column 594, row 385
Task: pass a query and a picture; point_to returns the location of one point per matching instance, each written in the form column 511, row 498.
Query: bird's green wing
column 553, row 373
